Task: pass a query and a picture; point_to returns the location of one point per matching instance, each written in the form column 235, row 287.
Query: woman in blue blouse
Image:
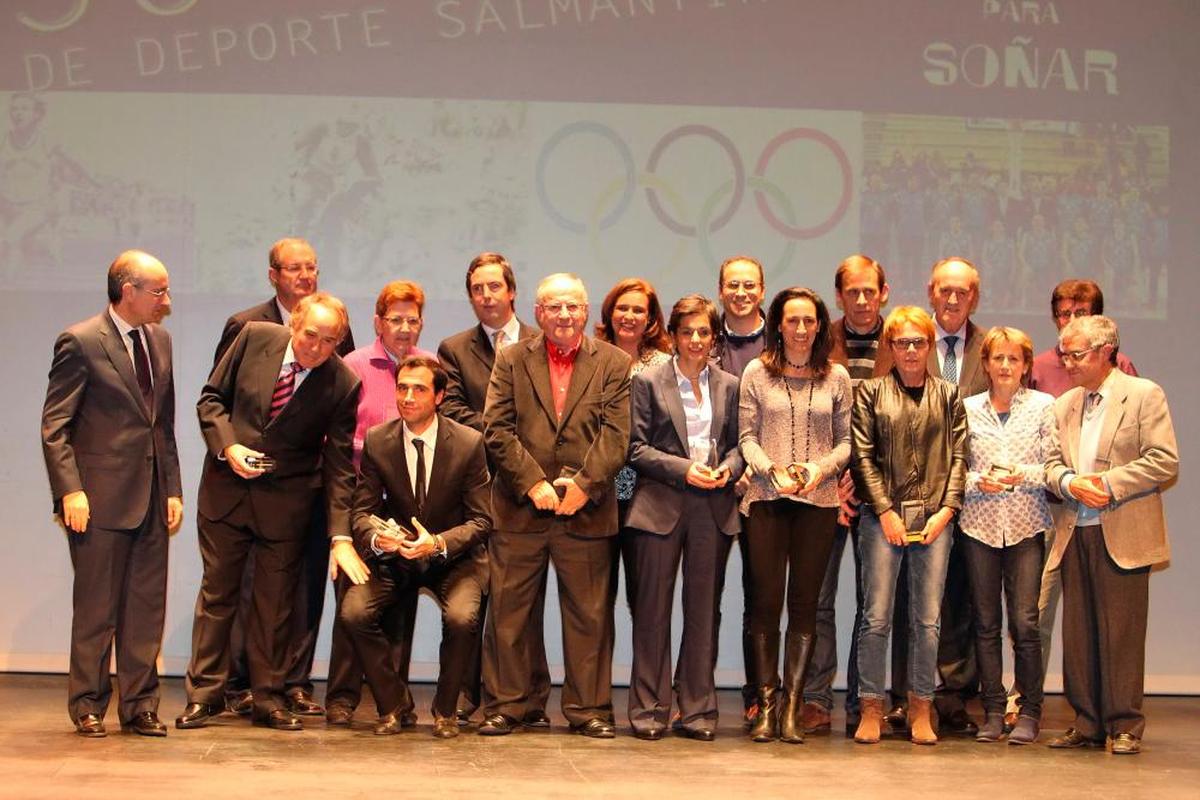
column 1005, row 517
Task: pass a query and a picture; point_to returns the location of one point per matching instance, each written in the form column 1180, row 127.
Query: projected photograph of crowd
column 1030, row 202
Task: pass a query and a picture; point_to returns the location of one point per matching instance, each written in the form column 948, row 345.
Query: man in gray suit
column 1112, row 454
column 557, row 430
column 108, row 436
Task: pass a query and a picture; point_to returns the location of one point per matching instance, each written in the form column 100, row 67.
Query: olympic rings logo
column 728, row 197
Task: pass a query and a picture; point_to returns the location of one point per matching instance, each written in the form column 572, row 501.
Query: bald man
column 108, row 436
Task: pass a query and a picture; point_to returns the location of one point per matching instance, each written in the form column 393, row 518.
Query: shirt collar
column 745, row 337
column 123, row 327
column 284, row 314
column 381, row 353
column 962, row 332
column 560, row 356
column 684, row 380
column 428, row 436
column 512, row 330
column 289, row 357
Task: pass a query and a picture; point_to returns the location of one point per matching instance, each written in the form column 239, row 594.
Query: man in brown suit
column 557, row 430
column 1112, row 454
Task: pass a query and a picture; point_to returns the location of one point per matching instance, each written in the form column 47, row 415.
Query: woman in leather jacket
column 908, row 458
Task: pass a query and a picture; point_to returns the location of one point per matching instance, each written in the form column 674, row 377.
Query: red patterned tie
column 284, row 388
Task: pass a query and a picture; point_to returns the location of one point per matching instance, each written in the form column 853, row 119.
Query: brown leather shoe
column 1073, row 739
column 445, row 727
column 240, row 703
column 870, row 724
column 340, row 714
column 816, row 719
column 1126, row 744
column 304, row 704
column 90, row 726
column 145, row 723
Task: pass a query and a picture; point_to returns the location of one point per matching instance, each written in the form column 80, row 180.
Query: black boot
column 766, row 667
column 797, row 653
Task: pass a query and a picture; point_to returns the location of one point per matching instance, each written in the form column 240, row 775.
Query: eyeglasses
column 396, row 322
column 554, row 309
column 159, row 293
column 1075, row 356
column 904, row 344
column 1068, row 313
column 309, row 268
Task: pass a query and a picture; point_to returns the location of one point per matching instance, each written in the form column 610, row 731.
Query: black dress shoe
column 302, row 703
column 145, row 723
column 463, row 716
column 1073, row 739
column 959, row 723
column 648, row 734
column 445, row 727
column 535, row 718
column 340, row 715
column 196, row 715
column 280, row 719
column 408, row 719
column 91, row 726
column 699, row 734
column 497, row 725
column 595, row 728
column 896, row 719
column 240, row 703
column 1126, row 744
column 389, row 725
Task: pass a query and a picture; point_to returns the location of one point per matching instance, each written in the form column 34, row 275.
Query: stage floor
column 41, row 757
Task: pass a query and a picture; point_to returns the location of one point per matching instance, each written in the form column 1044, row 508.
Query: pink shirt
column 377, row 401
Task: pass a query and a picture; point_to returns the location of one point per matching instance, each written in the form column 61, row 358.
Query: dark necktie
column 950, row 362
column 141, row 367
column 1092, row 402
column 285, row 387
column 419, row 483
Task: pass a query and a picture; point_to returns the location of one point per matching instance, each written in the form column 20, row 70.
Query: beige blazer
column 1138, row 442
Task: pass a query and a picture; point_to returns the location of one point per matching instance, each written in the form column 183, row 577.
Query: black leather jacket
column 904, row 451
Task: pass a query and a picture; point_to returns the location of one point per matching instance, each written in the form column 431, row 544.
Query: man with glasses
column 741, row 287
column 556, row 425
column 954, row 296
column 108, row 436
column 1112, row 453
column 293, row 272
column 1071, row 299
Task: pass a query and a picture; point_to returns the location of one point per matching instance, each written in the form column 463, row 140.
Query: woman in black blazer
column 684, row 446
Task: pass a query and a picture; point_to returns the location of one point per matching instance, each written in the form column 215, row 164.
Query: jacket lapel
column 537, row 367
column 1113, row 415
column 670, row 392
column 268, row 375
column 114, row 348
column 1074, row 424
column 481, row 348
column 155, row 348
column 443, row 450
column 720, row 414
column 581, row 376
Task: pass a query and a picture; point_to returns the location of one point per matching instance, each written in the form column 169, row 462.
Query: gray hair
column 1098, row 329
column 556, row 277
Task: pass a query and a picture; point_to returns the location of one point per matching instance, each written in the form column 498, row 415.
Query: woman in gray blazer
column 684, row 446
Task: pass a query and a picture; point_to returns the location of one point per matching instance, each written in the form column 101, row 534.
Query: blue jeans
column 880, row 563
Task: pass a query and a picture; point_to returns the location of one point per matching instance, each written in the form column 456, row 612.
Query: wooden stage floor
column 41, row 757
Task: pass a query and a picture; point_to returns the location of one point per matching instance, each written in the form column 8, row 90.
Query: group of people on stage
column 938, row 449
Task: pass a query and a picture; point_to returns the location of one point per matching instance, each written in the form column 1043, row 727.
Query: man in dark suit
column 293, row 272
column 557, row 430
column 954, row 296
column 108, row 436
column 1112, row 453
column 430, row 473
column 468, row 357
column 277, row 415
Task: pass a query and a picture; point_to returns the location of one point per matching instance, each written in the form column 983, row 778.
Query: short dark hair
column 123, row 270
column 654, row 338
column 489, row 259
column 1078, row 291
column 691, row 304
column 772, row 355
column 858, row 261
column 733, row 260
column 440, row 378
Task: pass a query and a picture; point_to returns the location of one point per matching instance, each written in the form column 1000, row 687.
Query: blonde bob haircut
column 908, row 315
column 1011, row 336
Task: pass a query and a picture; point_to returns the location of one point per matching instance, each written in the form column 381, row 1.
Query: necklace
column 794, row 365
column 807, row 417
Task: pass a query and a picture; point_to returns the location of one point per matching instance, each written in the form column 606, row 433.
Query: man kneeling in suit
column 429, row 472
